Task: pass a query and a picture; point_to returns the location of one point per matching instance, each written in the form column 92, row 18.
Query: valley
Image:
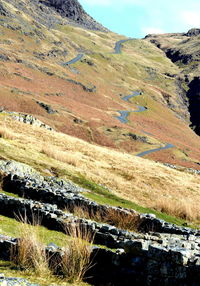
column 99, row 151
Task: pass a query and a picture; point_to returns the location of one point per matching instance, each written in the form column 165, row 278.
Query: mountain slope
column 82, row 110
column 85, row 99
column 74, row 11
column 183, row 50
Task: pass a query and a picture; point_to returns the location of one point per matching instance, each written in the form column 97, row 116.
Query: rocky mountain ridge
column 183, row 50
column 47, row 12
column 74, row 11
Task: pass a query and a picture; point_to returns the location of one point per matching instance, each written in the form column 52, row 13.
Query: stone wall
column 66, row 195
column 160, row 253
column 131, row 266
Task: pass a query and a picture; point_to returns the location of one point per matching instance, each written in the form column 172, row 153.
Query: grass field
column 141, row 181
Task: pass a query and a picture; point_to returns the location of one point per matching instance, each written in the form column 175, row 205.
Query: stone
column 74, row 11
column 47, row 107
column 133, row 247
column 158, row 253
column 180, row 256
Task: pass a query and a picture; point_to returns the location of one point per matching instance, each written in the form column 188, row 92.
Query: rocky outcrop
column 47, row 107
column 51, row 13
column 136, row 137
column 84, row 87
column 193, row 32
column 26, row 118
column 74, row 11
column 194, row 104
column 183, row 50
column 4, row 11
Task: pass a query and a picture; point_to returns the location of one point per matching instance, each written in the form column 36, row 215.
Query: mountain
column 183, row 50
column 74, row 11
column 89, row 117
column 37, row 43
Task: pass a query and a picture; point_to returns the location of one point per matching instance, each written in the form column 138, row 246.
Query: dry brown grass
column 76, row 260
column 83, row 212
column 147, row 181
column 2, row 177
column 120, row 220
column 6, row 133
column 61, row 156
column 185, row 209
column 30, row 254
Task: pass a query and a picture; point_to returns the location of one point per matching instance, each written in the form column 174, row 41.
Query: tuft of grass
column 30, row 254
column 76, row 260
column 113, row 200
column 9, row 270
column 61, row 156
column 83, row 212
column 184, row 208
column 121, row 220
column 6, row 133
column 12, row 227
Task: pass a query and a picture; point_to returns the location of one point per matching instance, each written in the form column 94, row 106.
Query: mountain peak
column 73, row 10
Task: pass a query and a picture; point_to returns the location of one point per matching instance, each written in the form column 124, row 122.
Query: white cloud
column 191, row 18
column 151, row 30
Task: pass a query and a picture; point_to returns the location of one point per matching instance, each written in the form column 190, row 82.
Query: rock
column 15, row 282
column 133, row 247
column 73, row 10
column 135, row 137
column 193, row 32
column 78, row 121
column 194, row 104
column 26, row 118
column 4, row 58
column 120, row 251
column 4, row 11
column 19, row 169
column 47, row 107
column 84, row 87
column 158, row 253
column 180, row 256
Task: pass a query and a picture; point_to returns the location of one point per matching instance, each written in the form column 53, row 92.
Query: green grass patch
column 113, row 200
column 102, row 195
column 9, row 270
column 9, row 194
column 11, row 227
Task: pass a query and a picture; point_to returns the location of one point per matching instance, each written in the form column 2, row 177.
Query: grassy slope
column 185, row 45
column 141, row 181
column 141, row 66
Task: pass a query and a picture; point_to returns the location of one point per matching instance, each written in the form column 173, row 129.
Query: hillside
column 86, row 96
column 183, row 50
column 99, row 151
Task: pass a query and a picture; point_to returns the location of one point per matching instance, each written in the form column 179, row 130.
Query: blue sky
column 137, row 18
